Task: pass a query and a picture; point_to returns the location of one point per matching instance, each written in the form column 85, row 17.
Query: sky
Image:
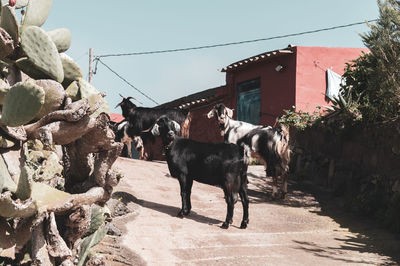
column 128, row 26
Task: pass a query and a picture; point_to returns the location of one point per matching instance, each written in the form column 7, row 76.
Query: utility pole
column 90, row 65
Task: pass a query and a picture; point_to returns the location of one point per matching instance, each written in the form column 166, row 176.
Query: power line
column 237, row 43
column 97, row 59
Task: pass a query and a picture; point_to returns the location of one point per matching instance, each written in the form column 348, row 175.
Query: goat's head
column 166, row 128
column 138, row 142
column 126, row 105
column 222, row 114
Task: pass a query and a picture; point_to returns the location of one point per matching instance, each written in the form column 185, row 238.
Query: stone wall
column 361, row 165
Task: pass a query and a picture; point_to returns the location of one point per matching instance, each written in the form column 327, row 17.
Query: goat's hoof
column 225, row 225
column 243, row 225
column 182, row 213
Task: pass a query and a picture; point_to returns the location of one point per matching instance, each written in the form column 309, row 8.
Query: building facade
column 261, row 87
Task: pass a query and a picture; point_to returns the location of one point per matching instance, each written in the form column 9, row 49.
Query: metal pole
column 90, row 65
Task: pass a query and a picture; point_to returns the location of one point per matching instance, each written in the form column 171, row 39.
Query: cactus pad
column 21, row 4
column 61, row 38
column 89, row 242
column 98, row 101
column 37, row 12
column 86, row 89
column 42, row 52
column 9, row 22
column 24, row 189
column 97, row 218
column 22, row 103
column 6, row 143
column 6, row 44
column 4, row 88
column 10, row 208
column 6, row 182
column 72, row 71
column 54, row 96
column 29, row 68
column 47, row 197
column 72, row 91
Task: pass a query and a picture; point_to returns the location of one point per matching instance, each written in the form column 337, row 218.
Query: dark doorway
column 248, row 104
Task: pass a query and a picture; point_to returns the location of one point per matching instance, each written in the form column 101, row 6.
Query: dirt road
column 295, row 231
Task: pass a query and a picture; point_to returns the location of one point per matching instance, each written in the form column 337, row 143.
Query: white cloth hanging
column 334, row 83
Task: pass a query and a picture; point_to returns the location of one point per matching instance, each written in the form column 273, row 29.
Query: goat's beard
column 222, row 128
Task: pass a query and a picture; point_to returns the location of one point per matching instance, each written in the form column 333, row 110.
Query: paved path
column 290, row 232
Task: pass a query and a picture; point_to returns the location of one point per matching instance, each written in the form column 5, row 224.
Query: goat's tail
column 185, row 126
column 283, row 148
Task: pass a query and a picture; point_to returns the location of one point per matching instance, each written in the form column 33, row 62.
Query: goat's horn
column 149, row 129
column 130, row 97
column 123, row 97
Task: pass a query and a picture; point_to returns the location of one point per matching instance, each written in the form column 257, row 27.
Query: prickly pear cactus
column 42, row 52
column 89, row 242
column 72, row 71
column 54, row 96
column 6, row 44
column 6, row 182
column 9, row 22
column 21, row 3
column 4, row 88
column 37, row 12
column 92, row 94
column 22, row 103
column 56, row 148
column 24, row 189
column 61, row 38
column 73, row 91
column 30, row 69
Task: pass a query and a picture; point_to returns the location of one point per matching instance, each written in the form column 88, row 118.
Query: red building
column 261, row 87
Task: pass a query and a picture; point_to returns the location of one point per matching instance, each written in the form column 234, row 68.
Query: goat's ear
column 155, row 131
column 211, row 113
column 176, row 126
column 229, row 112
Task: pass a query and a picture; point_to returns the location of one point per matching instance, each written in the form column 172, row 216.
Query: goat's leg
column 129, row 148
column 230, row 202
column 189, row 184
column 245, row 202
column 284, row 185
column 184, row 196
column 141, row 154
column 274, row 186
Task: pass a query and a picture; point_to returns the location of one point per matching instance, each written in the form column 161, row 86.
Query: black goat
column 143, row 118
column 218, row 164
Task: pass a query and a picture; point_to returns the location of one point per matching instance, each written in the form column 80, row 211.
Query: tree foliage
column 374, row 78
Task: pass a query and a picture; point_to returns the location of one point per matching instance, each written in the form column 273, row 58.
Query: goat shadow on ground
column 127, row 198
column 370, row 237
column 173, row 211
column 260, row 191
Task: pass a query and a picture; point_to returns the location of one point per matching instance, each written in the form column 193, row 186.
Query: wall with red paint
column 204, row 129
column 277, row 88
column 312, row 63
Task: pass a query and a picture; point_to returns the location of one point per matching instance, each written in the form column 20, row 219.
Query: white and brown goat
column 268, row 143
